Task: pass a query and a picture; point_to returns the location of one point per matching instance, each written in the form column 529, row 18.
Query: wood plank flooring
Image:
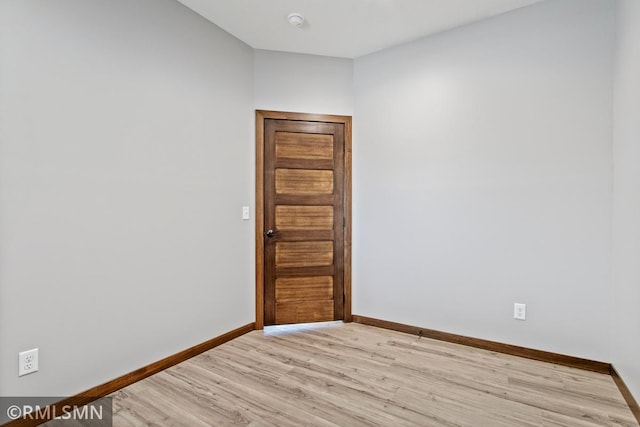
column 356, row 375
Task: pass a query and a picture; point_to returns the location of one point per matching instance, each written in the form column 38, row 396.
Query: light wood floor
column 355, row 375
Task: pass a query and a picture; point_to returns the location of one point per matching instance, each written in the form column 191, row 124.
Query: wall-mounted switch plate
column 27, row 362
column 245, row 212
column 520, row 311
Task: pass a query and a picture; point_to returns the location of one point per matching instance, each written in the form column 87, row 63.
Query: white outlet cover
column 520, row 311
column 27, row 362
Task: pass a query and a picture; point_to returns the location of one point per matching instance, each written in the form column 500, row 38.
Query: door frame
column 261, row 115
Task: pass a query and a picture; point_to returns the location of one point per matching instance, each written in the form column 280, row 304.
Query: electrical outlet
column 520, row 311
column 27, row 362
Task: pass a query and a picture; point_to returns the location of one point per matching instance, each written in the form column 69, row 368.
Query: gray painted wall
column 303, row 83
column 626, row 197
column 482, row 177
column 125, row 158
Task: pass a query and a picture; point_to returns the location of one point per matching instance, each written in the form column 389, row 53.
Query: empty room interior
column 284, row 212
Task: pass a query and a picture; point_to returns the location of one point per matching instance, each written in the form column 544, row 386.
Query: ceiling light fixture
column 296, row 19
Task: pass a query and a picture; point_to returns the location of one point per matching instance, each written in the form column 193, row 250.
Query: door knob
column 270, row 233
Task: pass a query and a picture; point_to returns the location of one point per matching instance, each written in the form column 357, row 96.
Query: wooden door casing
column 303, row 193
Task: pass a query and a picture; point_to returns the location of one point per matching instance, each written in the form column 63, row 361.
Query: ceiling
column 343, row 28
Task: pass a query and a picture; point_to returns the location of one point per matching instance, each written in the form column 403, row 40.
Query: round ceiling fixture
column 296, row 19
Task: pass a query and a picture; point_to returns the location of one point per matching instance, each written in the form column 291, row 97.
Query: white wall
column 125, row 157
column 482, row 177
column 626, row 197
column 303, row 83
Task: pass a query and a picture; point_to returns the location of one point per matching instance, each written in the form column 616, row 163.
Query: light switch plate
column 245, row 212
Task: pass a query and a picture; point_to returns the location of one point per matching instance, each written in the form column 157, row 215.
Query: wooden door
column 304, row 221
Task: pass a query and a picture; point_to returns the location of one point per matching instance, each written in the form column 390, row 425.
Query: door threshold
column 300, row 327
